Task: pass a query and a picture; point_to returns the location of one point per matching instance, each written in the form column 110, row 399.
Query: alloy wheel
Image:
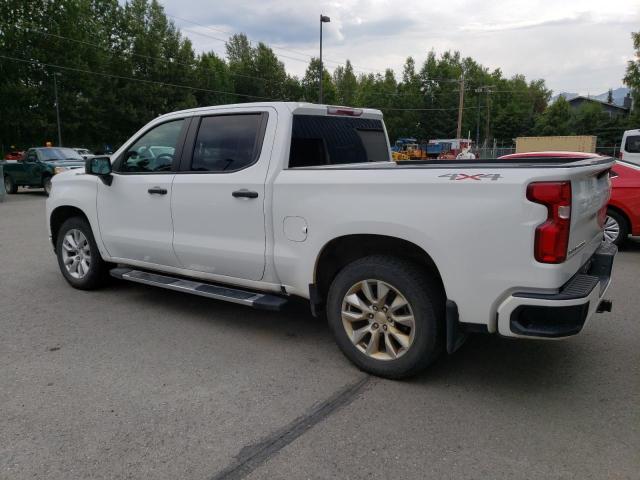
column 611, row 230
column 76, row 253
column 378, row 319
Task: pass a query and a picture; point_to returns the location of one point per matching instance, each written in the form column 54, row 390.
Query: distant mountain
column 566, row 95
column 618, row 95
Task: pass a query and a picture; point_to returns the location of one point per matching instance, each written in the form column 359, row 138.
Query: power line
column 122, row 77
column 298, row 52
column 139, row 55
column 426, row 109
column 156, row 82
column 172, row 61
column 360, row 69
column 226, row 41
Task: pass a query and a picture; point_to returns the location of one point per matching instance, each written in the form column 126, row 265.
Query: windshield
column 53, row 154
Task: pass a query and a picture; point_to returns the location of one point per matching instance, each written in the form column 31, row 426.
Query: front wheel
column 78, row 256
column 387, row 316
column 46, row 184
column 615, row 228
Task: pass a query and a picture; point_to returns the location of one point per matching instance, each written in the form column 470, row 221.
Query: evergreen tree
column 632, row 79
column 556, row 120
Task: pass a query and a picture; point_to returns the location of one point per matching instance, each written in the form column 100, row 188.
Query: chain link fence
column 494, row 152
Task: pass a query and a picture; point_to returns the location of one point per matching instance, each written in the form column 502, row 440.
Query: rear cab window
column 326, row 140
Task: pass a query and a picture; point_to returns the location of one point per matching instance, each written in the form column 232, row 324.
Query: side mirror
column 100, row 167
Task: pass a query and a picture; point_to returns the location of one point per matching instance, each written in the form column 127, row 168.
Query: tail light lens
column 602, row 216
column 552, row 236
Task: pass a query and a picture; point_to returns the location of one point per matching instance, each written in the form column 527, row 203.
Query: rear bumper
column 561, row 314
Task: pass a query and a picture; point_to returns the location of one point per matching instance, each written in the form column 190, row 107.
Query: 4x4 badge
column 477, row 176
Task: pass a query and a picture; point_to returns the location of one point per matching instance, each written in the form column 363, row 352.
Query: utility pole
column 55, row 90
column 323, row 19
column 460, row 107
column 478, row 92
column 487, row 130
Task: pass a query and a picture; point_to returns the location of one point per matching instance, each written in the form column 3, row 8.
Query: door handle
column 244, row 193
column 158, row 190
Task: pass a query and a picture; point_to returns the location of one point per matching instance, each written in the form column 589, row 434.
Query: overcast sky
column 575, row 45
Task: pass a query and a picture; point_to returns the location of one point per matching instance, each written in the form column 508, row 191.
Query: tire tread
column 424, row 286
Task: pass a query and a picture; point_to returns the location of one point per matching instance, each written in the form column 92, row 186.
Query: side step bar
column 263, row 301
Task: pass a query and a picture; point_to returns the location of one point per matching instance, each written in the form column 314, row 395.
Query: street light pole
column 55, row 90
column 323, row 19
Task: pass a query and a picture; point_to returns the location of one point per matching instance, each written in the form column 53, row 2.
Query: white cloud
column 577, row 45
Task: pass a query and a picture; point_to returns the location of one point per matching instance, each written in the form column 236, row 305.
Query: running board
column 263, row 301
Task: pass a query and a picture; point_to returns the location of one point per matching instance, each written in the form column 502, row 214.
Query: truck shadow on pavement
column 484, row 362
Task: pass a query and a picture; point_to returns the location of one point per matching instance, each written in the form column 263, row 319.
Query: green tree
column 310, row 84
column 556, row 120
column 588, row 119
column 632, row 78
column 346, row 84
column 212, row 74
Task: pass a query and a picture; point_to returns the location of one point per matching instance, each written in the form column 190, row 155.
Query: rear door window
column 227, row 143
column 319, row 140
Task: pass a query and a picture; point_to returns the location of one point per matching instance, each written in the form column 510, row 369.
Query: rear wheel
column 78, row 256
column 9, row 185
column 615, row 228
column 387, row 316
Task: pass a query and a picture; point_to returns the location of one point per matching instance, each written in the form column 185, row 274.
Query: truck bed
column 530, row 162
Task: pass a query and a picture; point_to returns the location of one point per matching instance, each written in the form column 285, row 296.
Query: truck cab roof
column 297, row 108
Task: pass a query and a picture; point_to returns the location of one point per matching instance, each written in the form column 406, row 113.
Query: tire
column 389, row 358
column 87, row 270
column 9, row 185
column 46, row 184
column 616, row 228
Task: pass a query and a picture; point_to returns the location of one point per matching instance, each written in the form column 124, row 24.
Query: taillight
column 552, row 237
column 602, row 216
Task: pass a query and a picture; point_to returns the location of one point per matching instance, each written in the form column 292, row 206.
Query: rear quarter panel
column 478, row 230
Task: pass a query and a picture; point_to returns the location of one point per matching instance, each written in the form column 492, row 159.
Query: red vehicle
column 14, row 155
column 623, row 213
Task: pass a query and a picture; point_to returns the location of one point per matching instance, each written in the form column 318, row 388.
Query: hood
column 66, row 163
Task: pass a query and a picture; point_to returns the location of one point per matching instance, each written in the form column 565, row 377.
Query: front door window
column 154, row 151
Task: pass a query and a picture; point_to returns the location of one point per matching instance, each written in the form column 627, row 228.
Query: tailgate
column 591, row 190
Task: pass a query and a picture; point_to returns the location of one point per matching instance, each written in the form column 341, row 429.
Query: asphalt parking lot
column 136, row 382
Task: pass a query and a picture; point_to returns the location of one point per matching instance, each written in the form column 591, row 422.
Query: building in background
column 612, row 109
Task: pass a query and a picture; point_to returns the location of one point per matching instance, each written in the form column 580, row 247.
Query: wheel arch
column 340, row 251
column 620, row 211
column 60, row 215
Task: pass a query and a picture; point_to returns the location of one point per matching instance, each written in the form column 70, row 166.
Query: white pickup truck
column 256, row 203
